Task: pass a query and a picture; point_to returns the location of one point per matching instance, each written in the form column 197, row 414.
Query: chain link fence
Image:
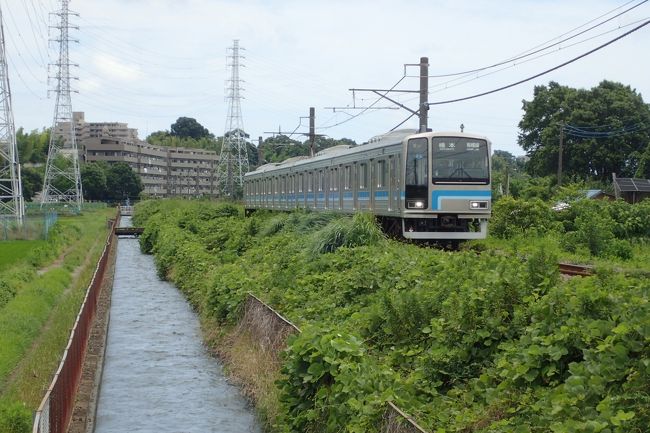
column 34, row 227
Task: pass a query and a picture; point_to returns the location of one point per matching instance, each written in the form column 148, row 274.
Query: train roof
column 377, row 142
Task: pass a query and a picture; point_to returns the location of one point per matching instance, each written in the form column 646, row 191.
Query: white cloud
column 112, row 67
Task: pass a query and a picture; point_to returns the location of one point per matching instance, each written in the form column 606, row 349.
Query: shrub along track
column 461, row 342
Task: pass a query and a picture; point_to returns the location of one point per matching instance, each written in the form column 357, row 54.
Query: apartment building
column 85, row 130
column 165, row 171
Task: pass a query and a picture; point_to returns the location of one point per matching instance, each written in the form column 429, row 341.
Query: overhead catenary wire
column 365, row 109
column 450, row 101
column 441, row 87
column 537, row 49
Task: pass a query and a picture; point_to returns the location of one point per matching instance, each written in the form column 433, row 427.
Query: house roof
column 628, row 184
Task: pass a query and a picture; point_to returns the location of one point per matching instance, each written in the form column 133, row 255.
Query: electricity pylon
column 62, row 183
column 233, row 160
column 11, row 192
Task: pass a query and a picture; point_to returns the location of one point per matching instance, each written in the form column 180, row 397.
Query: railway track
column 575, row 270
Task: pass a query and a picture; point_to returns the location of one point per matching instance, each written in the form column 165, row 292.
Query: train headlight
column 476, row 205
column 415, row 204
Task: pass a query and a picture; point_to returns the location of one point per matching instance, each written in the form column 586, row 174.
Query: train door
column 393, row 187
column 354, row 185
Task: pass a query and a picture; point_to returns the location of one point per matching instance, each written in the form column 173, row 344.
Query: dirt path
column 57, row 263
column 48, row 324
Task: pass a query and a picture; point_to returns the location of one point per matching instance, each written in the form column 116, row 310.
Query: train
column 428, row 186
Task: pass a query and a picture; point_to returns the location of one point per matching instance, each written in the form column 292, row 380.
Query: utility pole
column 559, row 156
column 233, row 160
column 424, row 94
column 62, row 182
column 11, row 191
column 312, row 132
column 260, row 154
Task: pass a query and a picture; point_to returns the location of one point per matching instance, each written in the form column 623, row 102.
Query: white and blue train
column 424, row 186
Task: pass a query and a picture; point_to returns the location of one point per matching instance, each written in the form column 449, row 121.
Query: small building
column 630, row 189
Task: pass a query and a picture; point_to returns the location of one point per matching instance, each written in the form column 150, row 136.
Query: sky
column 148, row 62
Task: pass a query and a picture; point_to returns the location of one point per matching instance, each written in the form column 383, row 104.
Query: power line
column 34, row 29
column 583, row 132
column 544, row 72
column 536, row 49
column 525, row 61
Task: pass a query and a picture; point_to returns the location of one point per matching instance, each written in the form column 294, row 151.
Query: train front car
column 447, row 194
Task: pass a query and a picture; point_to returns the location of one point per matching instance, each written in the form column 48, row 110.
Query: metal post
column 424, row 94
column 559, row 156
column 312, row 132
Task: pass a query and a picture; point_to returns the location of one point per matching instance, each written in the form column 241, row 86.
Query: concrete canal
column 157, row 375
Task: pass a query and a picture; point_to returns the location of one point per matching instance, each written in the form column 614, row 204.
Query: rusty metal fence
column 55, row 411
column 271, row 330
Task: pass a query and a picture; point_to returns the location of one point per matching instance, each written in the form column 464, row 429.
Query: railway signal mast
column 11, row 196
column 62, row 183
column 233, row 160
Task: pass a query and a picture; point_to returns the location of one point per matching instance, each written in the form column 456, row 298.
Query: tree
column 93, row 178
column 32, row 181
column 122, row 182
column 609, row 106
column 32, row 146
column 187, row 127
column 281, row 147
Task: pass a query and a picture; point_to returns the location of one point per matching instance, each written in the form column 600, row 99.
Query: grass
column 35, row 324
column 249, row 366
column 524, row 246
column 15, row 251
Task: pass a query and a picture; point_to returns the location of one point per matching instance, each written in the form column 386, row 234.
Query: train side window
column 321, row 179
column 300, row 182
column 333, row 179
column 310, row 181
column 363, row 176
column 347, row 177
column 381, row 174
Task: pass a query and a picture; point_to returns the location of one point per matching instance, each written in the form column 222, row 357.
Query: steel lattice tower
column 11, row 195
column 62, row 181
column 233, row 160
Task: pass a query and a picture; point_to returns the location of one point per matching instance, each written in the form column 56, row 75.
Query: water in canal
column 157, row 375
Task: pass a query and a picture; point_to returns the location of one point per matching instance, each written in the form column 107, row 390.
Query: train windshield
column 417, row 159
column 458, row 159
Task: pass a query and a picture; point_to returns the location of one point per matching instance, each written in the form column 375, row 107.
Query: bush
column 512, row 217
column 360, row 230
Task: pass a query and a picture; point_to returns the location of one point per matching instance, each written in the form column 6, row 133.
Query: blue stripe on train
column 438, row 196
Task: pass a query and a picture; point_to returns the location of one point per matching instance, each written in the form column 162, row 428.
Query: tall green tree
column 93, row 178
column 609, row 106
column 122, row 182
column 189, row 127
